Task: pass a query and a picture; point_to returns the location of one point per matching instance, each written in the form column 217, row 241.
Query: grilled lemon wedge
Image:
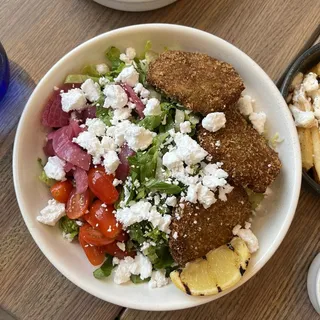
column 219, row 270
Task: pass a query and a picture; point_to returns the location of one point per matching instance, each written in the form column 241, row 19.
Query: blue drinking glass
column 4, row 72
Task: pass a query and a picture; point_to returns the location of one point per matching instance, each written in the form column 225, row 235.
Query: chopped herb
column 105, row 270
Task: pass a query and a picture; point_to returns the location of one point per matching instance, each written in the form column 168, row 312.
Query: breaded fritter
column 245, row 154
column 199, row 230
column 196, row 80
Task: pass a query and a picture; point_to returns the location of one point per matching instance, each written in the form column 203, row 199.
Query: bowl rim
column 288, row 76
column 117, row 300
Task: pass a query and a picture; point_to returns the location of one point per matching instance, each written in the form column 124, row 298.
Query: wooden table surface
column 38, row 33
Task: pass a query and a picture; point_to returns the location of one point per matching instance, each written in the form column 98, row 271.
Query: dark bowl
column 305, row 62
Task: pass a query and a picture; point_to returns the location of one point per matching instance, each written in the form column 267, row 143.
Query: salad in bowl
column 144, row 172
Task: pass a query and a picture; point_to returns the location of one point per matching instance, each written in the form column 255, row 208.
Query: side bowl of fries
column 301, row 90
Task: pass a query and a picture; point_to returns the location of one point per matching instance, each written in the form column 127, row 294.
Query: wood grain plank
column 36, row 35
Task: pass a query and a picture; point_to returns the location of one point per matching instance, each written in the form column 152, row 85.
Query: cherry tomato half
column 101, row 217
column 94, row 236
column 61, row 191
column 94, row 254
column 78, row 204
column 101, row 185
column 115, row 251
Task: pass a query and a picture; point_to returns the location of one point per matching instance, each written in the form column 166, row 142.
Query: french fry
column 306, row 145
column 316, row 149
column 316, row 69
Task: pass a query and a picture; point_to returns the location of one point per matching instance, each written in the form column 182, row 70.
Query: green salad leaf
column 90, row 70
column 105, row 270
column 79, row 78
column 150, row 122
column 113, row 55
column 69, row 226
column 136, row 279
column 105, row 115
column 43, row 176
column 163, row 187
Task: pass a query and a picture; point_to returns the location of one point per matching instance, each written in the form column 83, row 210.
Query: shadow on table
column 11, row 106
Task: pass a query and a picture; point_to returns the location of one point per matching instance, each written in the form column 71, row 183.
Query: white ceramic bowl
column 270, row 225
column 135, row 5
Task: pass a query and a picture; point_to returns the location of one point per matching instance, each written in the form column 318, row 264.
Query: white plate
column 270, row 225
column 135, row 5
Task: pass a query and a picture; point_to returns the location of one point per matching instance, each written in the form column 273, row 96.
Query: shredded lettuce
column 90, row 70
column 105, row 115
column 113, row 55
column 105, row 270
column 136, row 279
column 163, row 187
column 43, row 176
column 69, row 227
column 159, row 254
column 150, row 122
column 79, row 78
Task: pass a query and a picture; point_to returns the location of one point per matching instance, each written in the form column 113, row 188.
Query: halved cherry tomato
column 101, row 217
column 101, row 185
column 115, row 251
column 94, row 254
column 61, row 191
column 94, row 236
column 77, row 204
column 122, row 236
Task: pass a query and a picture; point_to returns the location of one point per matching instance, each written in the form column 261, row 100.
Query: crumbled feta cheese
column 116, row 97
column 128, row 75
column 117, row 132
column 102, row 68
column 54, row 168
column 248, row 237
column 128, row 57
column 111, row 162
column 138, row 138
column 116, row 182
column 74, row 99
column 52, row 213
column 205, row 196
column 224, row 190
column 175, row 235
column 258, row 120
column 214, row 121
column 310, row 82
column 115, row 261
column 120, row 115
column 131, row 53
column 140, row 265
column 152, row 107
column 188, row 149
column 303, row 119
column 192, row 195
column 141, row 211
column 108, row 144
column 171, row 201
column 185, row 127
column 121, row 246
column 218, row 143
column 91, row 90
column 214, row 176
column 103, row 81
column 67, row 236
column 158, row 279
column 172, row 161
column 96, row 126
column 88, row 140
column 245, row 105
